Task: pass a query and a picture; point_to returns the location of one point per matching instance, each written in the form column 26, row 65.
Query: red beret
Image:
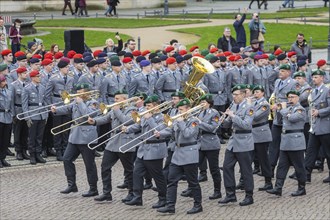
column 198, row 55
column 145, row 52
column 321, row 63
column 182, row 52
column 48, row 56
column 221, row 54
column 58, row 55
column 278, row 52
column 64, row 59
column 71, row 53
column 193, row 48
column 97, row 52
column 78, row 56
column 213, row 50
column 291, row 53
column 38, row 56
column 34, row 73
column 19, row 54
column 227, row 53
column 169, row 49
column 265, row 56
column 21, row 70
column 231, row 58
column 5, row 52
column 237, row 58
column 170, row 60
column 136, row 53
column 127, row 60
column 46, row 62
column 258, row 57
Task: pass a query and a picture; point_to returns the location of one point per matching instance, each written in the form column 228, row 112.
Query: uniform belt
column 57, row 95
column 187, row 144
column 242, row 131
column 206, row 132
column 18, row 105
column 155, row 141
column 169, row 90
column 260, row 124
column 35, row 104
column 4, row 110
column 216, row 93
column 292, row 131
column 139, row 132
column 111, row 95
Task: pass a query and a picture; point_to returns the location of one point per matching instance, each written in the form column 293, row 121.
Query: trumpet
column 105, row 108
column 162, row 107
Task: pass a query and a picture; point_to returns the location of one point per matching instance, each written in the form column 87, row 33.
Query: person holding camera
column 257, row 29
column 35, row 47
column 110, row 45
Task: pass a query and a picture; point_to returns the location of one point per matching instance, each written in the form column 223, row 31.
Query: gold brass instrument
column 272, row 113
column 66, row 97
column 162, row 107
column 200, row 68
column 105, row 108
column 311, row 108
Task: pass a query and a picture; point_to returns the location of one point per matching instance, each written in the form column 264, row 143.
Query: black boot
column 92, row 191
column 301, row 190
column 147, row 186
column 59, row 155
column 216, row 195
column 202, row 177
column 19, row 156
column 278, row 188
column 308, row 178
column 268, row 184
column 196, row 209
column 248, row 200
column 72, row 187
column 104, row 197
column 240, row 185
column 187, row 193
column 5, row 163
column 230, row 196
column 167, row 209
column 123, row 186
column 39, row 158
column 44, row 154
column 293, row 176
column 161, row 203
column 26, row 156
column 137, row 201
column 1, row 166
column 128, row 198
column 327, row 180
column 33, row 159
column 51, row 152
column 9, row 153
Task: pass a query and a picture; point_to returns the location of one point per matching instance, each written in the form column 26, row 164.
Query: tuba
column 200, row 68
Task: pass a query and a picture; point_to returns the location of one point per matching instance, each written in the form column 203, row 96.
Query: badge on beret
column 194, row 124
column 251, row 112
column 216, row 119
column 264, row 108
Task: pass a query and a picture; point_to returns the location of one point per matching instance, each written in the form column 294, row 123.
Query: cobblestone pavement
column 32, row 192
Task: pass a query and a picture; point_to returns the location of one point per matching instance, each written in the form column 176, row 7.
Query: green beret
column 3, row 67
column 141, row 95
column 204, row 52
column 238, row 87
column 151, row 99
column 183, row 102
column 296, row 74
column 82, row 86
column 121, row 92
column 248, row 86
column 114, row 58
column 252, row 55
column 178, row 94
column 258, row 87
column 318, row 72
column 271, row 57
column 285, row 67
column 207, row 97
column 294, row 92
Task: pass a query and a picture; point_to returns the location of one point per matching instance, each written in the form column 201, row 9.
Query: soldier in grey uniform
column 78, row 69
column 238, row 74
column 59, row 82
column 33, row 97
column 46, row 71
column 20, row 128
column 150, row 154
column 272, row 72
column 169, row 81
column 320, row 123
column 156, row 64
column 282, row 86
column 240, row 145
column 128, row 70
column 143, row 81
column 184, row 72
column 260, row 74
column 103, row 67
column 119, row 115
column 21, row 62
column 92, row 77
column 78, row 139
column 293, row 145
column 7, row 112
column 185, row 158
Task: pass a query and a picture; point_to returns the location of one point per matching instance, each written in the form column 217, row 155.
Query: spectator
column 54, row 49
column 290, row 2
column 226, row 42
column 76, row 5
column 82, row 7
column 265, row 4
column 257, row 29
column 67, row 3
column 3, row 43
column 251, row 2
column 130, row 45
column 239, row 28
column 113, row 4
column 107, row 12
column 211, row 46
column 34, row 48
column 325, row 2
column 15, row 36
column 301, row 47
column 3, row 28
column 110, row 45
column 254, row 47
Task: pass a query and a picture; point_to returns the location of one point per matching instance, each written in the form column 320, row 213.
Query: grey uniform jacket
column 305, row 91
column 260, row 126
column 280, row 91
column 321, row 101
column 242, row 121
column 293, row 119
column 185, row 132
column 118, row 117
column 33, row 99
column 260, row 77
column 272, row 73
column 84, row 133
column 142, row 83
column 217, row 84
column 112, row 83
column 168, row 83
column 150, row 151
column 240, row 76
column 17, row 88
column 171, row 144
column 94, row 80
column 7, row 110
column 44, row 77
column 55, row 86
column 208, row 125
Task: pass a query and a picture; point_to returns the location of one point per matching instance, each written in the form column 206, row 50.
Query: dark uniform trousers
column 288, row 158
column 175, row 174
column 314, row 144
column 167, row 164
column 21, row 136
column 36, row 133
column 108, row 161
column 61, row 140
column 261, row 151
column 274, row 147
column 5, row 133
column 71, row 154
column 213, row 158
column 244, row 160
column 154, row 168
column 47, row 142
column 306, row 131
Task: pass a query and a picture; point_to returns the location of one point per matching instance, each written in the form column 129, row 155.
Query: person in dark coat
column 239, row 28
column 113, row 4
column 226, row 42
column 82, row 7
column 251, row 2
column 110, row 45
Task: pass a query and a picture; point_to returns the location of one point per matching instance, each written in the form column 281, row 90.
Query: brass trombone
column 162, row 107
column 105, row 108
